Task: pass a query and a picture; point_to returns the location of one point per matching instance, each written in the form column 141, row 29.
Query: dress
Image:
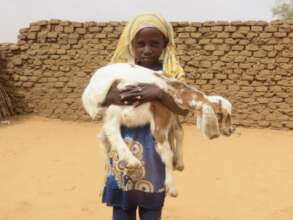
column 143, row 187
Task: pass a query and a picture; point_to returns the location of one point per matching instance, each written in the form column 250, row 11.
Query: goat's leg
column 171, row 140
column 166, row 154
column 113, row 135
column 161, row 127
column 178, row 133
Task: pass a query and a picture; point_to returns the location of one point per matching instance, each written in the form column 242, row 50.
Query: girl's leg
column 122, row 214
column 149, row 214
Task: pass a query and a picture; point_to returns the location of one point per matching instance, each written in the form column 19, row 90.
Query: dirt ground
column 53, row 169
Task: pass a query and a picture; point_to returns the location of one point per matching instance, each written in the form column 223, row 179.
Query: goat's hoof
column 172, row 192
column 179, row 167
column 214, row 136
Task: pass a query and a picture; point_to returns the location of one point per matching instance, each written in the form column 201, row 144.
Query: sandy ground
column 52, row 169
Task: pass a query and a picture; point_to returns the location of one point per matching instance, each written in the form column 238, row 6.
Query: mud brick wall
column 53, row 60
column 250, row 63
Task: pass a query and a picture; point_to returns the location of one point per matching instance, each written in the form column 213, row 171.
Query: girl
column 147, row 41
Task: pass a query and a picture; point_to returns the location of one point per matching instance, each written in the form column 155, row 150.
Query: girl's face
column 148, row 46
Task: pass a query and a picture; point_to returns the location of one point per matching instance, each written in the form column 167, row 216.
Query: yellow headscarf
column 123, row 52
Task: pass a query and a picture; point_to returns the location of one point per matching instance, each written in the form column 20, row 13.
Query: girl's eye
column 140, row 44
column 155, row 44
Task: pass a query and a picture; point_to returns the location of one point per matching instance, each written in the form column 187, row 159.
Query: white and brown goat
column 162, row 121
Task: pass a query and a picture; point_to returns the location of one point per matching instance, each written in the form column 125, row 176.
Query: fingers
column 129, row 88
column 133, row 99
column 133, row 95
column 126, row 96
column 132, row 88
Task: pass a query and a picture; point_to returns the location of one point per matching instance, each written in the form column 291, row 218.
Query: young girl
column 147, row 41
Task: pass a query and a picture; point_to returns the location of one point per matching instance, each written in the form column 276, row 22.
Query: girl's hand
column 132, row 95
column 140, row 94
column 113, row 96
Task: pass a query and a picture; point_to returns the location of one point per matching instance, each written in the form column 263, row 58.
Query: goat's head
column 207, row 121
column 223, row 110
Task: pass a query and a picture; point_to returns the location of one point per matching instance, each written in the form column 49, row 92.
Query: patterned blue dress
column 144, row 186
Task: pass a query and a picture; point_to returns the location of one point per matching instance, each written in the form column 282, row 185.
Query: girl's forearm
column 169, row 102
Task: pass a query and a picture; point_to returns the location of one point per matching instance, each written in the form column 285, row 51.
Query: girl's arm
column 169, row 102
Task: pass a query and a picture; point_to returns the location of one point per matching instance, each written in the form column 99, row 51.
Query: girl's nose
column 147, row 50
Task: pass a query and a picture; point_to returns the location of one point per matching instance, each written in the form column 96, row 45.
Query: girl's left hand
column 141, row 93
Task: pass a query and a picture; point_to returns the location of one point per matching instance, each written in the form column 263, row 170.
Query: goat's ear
column 199, row 120
column 210, row 125
column 220, row 106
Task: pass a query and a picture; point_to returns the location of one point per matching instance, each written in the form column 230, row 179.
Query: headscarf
column 124, row 52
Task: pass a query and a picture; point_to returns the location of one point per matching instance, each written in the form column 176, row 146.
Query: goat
column 161, row 120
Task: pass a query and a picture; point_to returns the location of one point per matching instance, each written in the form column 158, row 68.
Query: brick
column 35, row 28
column 59, row 84
column 280, row 34
column 257, row 28
column 261, row 89
column 68, row 29
column 195, row 35
column 31, row 35
column 190, row 41
column 207, row 76
column 217, row 28
column 223, row 35
column 210, row 47
column 52, row 35
column 220, row 76
column 230, row 29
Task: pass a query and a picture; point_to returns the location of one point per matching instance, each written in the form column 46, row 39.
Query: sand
column 53, row 169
